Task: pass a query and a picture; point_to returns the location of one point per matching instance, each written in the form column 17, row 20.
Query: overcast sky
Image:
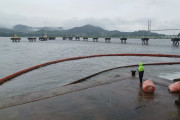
column 122, row 15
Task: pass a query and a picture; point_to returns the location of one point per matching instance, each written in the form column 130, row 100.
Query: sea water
column 16, row 56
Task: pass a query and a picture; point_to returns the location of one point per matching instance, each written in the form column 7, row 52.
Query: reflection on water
column 142, row 95
column 24, row 54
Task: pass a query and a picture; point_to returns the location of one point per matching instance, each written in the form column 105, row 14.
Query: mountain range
column 86, row 30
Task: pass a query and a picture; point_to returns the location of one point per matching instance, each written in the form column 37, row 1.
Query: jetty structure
column 107, row 39
column 44, row 38
column 85, row 38
column 95, row 39
column 77, row 38
column 123, row 40
column 144, row 41
column 51, row 38
column 175, row 41
column 15, row 38
column 70, row 38
column 64, row 38
column 32, row 39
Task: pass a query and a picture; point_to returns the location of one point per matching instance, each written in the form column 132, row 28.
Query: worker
column 141, row 72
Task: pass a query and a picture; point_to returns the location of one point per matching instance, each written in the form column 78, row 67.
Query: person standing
column 141, row 72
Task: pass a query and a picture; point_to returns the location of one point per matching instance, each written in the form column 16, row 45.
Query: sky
column 122, row 15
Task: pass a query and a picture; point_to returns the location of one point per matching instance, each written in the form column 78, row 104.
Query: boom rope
column 90, row 76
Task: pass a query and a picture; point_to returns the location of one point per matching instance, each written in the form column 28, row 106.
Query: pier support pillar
column 123, row 40
column 144, row 42
column 64, row 38
column 175, row 41
column 85, row 38
column 108, row 40
column 95, row 39
column 77, row 38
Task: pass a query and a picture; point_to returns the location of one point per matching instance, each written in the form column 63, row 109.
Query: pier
column 95, row 39
column 51, row 38
column 43, row 38
column 145, row 41
column 77, row 38
column 32, row 39
column 175, row 41
column 16, row 39
column 108, row 39
column 64, row 38
column 85, row 38
column 70, row 38
column 123, row 40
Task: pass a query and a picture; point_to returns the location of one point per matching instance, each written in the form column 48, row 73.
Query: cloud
column 122, row 15
column 119, row 23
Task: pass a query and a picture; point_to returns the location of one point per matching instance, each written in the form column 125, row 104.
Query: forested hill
column 87, row 30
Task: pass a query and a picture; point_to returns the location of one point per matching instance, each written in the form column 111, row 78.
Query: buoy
column 175, row 87
column 148, row 86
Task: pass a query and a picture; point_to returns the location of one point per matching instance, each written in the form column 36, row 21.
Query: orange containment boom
column 175, row 87
column 9, row 77
column 148, row 86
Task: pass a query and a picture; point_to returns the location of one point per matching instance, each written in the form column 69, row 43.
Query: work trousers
column 141, row 76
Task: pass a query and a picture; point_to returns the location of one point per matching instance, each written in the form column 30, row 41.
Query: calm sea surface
column 16, row 56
